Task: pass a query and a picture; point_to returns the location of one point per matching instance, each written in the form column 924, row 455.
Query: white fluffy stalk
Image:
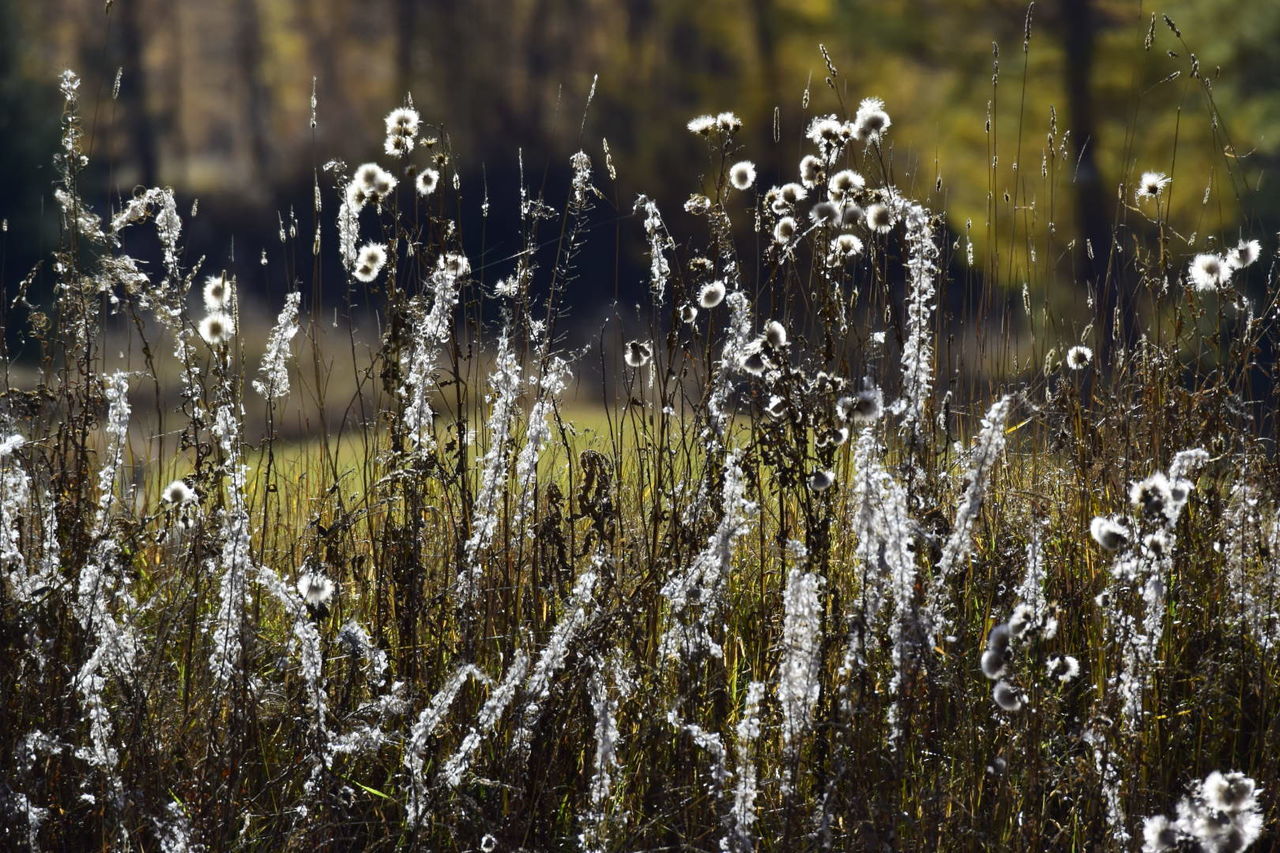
column 801, row 646
column 235, row 558
column 660, row 242
column 742, row 816
column 415, row 750
column 578, row 610
column 551, row 385
column 504, row 383
column 986, row 451
column 15, row 492
column 922, row 271
column 594, row 836
column 113, row 641
column 696, row 595
column 430, row 333
column 729, row 365
column 499, row 698
column 274, row 383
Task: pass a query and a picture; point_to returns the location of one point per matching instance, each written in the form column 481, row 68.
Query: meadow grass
column 835, row 549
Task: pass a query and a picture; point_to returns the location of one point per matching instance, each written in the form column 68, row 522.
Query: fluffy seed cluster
column 1220, row 813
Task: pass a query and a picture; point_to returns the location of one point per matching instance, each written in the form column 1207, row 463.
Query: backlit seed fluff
column 820, row 481
column 688, row 313
column 376, row 181
column 1063, row 667
column 879, row 219
column 638, row 354
column 851, row 216
column 1007, row 696
column 217, row 328
column 178, row 492
column 427, row 181
column 697, row 204
column 776, row 334
column 1108, row 533
column 862, row 408
column 217, row 293
column 728, row 123
column 1209, row 272
column 776, row 408
column 792, row 193
column 1228, row 792
column 1079, row 357
column 844, row 182
column 1244, row 254
column 370, row 260
column 403, row 121
column 754, row 363
column 993, row 663
column 825, row 213
column 784, row 230
column 810, row 171
column 998, row 638
column 871, row 119
column 315, row 589
column 1151, row 495
column 742, row 175
column 702, row 125
column 846, row 246
column 455, row 265
column 1151, row 184
column 712, row 295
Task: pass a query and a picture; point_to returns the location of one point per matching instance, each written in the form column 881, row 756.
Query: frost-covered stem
column 578, row 611
column 235, row 558
column 660, row 242
column 986, row 451
column 430, row 333
column 504, row 383
column 696, row 594
column 594, row 836
column 415, row 750
column 274, row 383
column 555, row 377
column 458, row 764
column 742, row 816
column 922, row 272
column 801, row 646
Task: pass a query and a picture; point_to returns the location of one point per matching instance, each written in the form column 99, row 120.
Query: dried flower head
column 1152, row 495
column 217, row 328
column 1008, row 697
column 792, row 193
column 427, row 181
column 1244, row 254
column 638, row 354
column 315, row 589
column 702, row 125
column 1063, row 667
column 728, row 123
column 862, row 408
column 217, row 293
column 825, row 213
column 776, row 334
column 369, row 262
column 844, row 183
column 1079, row 357
column 846, row 246
column 742, row 175
column 820, row 481
column 1151, row 184
column 1108, row 533
column 994, row 663
column 811, row 171
column 712, row 294
column 784, row 230
column 879, row 218
column 178, row 492
column 689, row 313
column 871, row 120
column 1209, row 272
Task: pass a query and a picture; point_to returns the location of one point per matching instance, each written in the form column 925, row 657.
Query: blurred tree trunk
column 1093, row 218
column 249, row 48
column 134, row 94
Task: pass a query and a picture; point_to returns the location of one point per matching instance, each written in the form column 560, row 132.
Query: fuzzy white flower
column 825, row 213
column 1209, row 272
column 217, row 328
column 315, row 589
column 784, row 230
column 846, row 246
column 1063, row 667
column 871, row 120
column 373, row 256
column 728, row 123
column 862, row 408
column 843, row 183
column 702, row 125
column 776, row 334
column 820, row 481
column 217, row 293
column 1243, row 254
column 711, row 295
column 879, row 218
column 1108, row 533
column 638, row 354
column 427, row 181
column 178, row 492
column 742, row 174
column 1007, row 696
column 1151, row 185
column 1079, row 357
column 810, row 171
